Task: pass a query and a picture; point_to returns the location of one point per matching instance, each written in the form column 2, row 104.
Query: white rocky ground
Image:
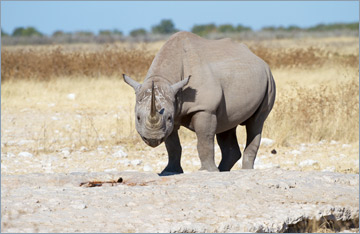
column 268, row 200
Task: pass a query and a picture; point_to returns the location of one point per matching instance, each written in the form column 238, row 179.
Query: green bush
column 204, row 29
column 138, row 32
column 166, row 26
column 26, row 32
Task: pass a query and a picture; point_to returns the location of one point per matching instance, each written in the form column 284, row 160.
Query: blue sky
column 70, row 16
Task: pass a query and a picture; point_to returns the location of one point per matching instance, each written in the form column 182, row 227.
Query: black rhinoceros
column 207, row 86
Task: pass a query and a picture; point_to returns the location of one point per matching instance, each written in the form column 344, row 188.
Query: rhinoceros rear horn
column 179, row 85
column 131, row 82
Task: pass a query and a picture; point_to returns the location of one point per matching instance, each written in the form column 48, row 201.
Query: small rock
column 273, row 151
column 266, row 166
column 147, row 168
column 71, row 96
column 295, row 152
column 125, row 162
column 24, row 142
column 131, row 204
column 25, row 154
column 83, row 149
column 120, row 154
column 331, row 169
column 308, row 162
column 266, row 142
column 79, row 206
column 10, row 155
column 110, row 170
column 65, row 152
column 332, row 142
column 346, row 146
column 136, row 162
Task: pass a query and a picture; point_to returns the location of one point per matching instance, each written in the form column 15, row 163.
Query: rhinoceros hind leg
column 173, row 148
column 230, row 150
column 253, row 132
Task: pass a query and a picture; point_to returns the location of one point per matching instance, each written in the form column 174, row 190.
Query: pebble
column 295, row 152
column 266, row 142
column 79, row 206
column 308, row 162
column 148, row 168
column 25, row 154
column 136, row 162
column 120, row 154
column 71, row 96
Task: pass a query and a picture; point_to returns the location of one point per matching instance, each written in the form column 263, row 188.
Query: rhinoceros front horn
column 153, row 106
column 154, row 118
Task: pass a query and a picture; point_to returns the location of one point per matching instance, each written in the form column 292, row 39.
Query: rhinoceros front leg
column 205, row 127
column 173, row 148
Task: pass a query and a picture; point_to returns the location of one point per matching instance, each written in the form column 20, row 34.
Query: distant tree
column 241, row 28
column 268, row 28
column 117, row 32
column 336, row 26
column 18, row 31
column 105, row 32
column 292, row 28
column 58, row 33
column 226, row 28
column 166, row 26
column 353, row 26
column 3, row 33
column 26, row 32
column 138, row 32
column 84, row 33
column 204, row 29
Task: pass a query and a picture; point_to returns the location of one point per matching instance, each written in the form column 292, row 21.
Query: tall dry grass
column 317, row 92
column 110, row 60
column 57, row 61
column 327, row 111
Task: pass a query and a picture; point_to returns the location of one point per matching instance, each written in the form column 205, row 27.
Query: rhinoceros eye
column 138, row 117
column 161, row 111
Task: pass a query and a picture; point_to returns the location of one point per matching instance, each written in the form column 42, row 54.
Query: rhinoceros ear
column 177, row 86
column 131, row 82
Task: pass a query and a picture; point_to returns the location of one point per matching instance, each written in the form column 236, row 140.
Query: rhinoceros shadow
column 188, row 94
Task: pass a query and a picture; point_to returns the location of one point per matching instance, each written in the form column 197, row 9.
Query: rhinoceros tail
column 271, row 92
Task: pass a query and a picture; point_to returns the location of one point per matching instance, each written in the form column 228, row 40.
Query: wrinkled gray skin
column 229, row 86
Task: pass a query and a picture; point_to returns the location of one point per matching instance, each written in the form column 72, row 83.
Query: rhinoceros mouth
column 153, row 142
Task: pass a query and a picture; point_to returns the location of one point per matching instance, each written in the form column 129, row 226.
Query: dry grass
column 49, row 62
column 57, row 61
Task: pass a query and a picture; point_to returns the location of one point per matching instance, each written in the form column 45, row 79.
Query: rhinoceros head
column 154, row 109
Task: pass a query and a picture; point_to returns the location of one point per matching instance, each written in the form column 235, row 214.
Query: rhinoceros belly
column 243, row 92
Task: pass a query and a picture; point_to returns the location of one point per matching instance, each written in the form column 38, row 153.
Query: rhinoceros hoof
column 169, row 173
